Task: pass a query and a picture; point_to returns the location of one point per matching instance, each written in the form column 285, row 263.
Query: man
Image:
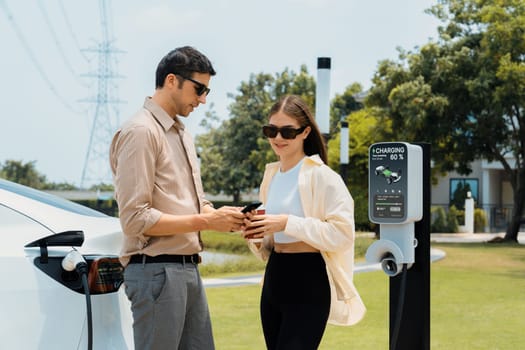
column 162, row 209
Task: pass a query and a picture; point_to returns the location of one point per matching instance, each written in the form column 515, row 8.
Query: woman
column 308, row 235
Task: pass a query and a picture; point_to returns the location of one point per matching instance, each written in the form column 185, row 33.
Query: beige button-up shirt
column 155, row 171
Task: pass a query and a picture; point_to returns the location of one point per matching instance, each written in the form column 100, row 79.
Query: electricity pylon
column 105, row 112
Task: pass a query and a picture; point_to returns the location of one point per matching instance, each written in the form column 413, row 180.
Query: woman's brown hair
column 294, row 106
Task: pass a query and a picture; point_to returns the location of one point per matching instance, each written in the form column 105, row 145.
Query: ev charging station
column 399, row 201
column 395, row 202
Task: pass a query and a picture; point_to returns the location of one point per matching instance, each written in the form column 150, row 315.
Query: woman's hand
column 258, row 226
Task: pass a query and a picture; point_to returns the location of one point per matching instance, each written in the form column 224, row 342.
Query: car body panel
column 39, row 312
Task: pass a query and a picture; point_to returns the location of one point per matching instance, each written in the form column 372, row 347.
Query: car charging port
column 88, row 275
column 105, row 275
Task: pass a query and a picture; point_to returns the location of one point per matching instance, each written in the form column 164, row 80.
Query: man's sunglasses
column 200, row 88
column 287, row 132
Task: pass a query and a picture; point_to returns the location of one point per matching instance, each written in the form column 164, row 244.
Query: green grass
column 477, row 297
column 229, row 242
column 477, row 302
column 233, row 243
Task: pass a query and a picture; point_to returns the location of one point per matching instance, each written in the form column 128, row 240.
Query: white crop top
column 283, row 198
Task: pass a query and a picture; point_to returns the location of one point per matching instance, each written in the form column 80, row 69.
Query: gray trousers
column 169, row 307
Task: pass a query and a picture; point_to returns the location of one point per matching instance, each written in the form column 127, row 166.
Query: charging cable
column 75, row 261
column 399, row 314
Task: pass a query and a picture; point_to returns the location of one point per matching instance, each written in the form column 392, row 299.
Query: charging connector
column 75, row 261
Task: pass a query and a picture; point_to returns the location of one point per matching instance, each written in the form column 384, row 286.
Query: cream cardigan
column 328, row 225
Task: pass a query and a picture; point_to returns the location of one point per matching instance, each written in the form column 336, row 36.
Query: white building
column 490, row 189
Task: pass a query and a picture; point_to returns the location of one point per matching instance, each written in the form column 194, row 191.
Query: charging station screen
column 387, row 182
column 389, row 206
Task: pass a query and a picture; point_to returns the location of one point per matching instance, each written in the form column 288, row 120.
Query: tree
column 225, row 151
column 26, row 174
column 466, row 92
column 22, row 173
column 99, row 187
column 233, row 155
column 344, row 104
column 365, row 129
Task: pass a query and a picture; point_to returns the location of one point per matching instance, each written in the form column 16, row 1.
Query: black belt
column 165, row 258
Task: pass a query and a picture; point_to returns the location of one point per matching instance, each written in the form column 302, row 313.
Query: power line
column 55, row 38
column 70, row 29
column 33, row 58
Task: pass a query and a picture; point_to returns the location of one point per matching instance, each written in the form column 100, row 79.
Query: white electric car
column 44, row 305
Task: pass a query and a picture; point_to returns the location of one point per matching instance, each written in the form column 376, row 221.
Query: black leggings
column 295, row 301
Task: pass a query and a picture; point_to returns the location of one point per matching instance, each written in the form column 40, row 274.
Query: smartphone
column 250, row 207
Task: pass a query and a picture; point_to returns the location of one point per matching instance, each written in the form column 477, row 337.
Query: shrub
column 445, row 222
column 480, row 220
column 452, row 219
column 362, row 223
column 440, row 222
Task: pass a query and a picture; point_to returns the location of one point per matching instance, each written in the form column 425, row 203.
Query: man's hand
column 225, row 219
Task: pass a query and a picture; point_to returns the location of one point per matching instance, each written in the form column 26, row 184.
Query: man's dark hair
column 182, row 61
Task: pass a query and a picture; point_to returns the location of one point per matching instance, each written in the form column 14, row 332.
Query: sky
column 49, row 63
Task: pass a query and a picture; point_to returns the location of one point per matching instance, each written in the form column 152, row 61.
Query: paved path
column 435, row 254
column 471, row 237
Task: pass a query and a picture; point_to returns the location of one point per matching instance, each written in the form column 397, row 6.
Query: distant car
column 389, row 175
column 44, row 306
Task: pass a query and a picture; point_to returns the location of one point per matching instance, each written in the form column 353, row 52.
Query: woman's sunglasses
column 200, row 88
column 287, row 132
